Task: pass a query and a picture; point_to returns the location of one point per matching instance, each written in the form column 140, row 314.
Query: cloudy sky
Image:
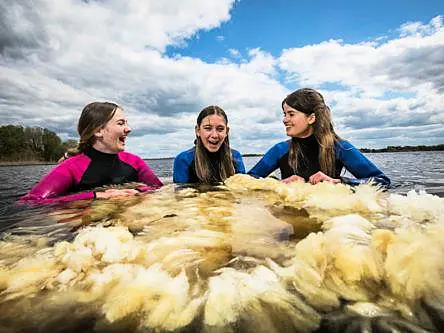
column 379, row 65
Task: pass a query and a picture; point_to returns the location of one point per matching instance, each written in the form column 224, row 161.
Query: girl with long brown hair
column 211, row 160
column 99, row 160
column 315, row 153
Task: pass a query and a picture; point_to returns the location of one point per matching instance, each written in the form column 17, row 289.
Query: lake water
column 409, row 170
column 250, row 256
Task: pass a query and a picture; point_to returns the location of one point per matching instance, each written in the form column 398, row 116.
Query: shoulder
column 130, row 158
column 344, row 145
column 280, row 148
column 344, row 148
column 187, row 155
column 72, row 168
column 235, row 153
column 75, row 161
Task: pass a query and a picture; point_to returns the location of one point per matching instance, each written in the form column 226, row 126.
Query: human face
column 297, row 124
column 111, row 138
column 212, row 131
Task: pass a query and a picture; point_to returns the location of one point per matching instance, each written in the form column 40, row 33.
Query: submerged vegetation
column 248, row 256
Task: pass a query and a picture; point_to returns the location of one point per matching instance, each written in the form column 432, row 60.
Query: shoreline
column 19, row 163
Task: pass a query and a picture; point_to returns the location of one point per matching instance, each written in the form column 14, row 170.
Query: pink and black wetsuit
column 84, row 172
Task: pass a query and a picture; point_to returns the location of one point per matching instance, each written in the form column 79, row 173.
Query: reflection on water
column 249, row 256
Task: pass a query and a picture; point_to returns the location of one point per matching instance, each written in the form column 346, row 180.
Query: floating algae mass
column 247, row 256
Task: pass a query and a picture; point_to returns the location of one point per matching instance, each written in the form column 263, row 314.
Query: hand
column 322, row 177
column 294, row 178
column 111, row 193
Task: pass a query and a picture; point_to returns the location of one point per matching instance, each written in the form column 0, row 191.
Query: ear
column 196, row 130
column 99, row 133
column 228, row 130
column 312, row 119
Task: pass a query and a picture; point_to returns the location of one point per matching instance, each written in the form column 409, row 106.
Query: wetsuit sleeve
column 54, row 185
column 147, row 176
column 267, row 164
column 181, row 169
column 144, row 173
column 359, row 166
column 239, row 166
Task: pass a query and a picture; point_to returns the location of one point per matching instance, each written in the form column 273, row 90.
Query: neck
column 103, row 149
column 100, row 149
column 306, row 134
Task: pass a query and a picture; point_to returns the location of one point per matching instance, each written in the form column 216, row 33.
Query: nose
column 213, row 133
column 128, row 129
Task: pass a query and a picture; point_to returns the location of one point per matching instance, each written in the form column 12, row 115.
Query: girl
column 211, row 160
column 315, row 153
column 99, row 160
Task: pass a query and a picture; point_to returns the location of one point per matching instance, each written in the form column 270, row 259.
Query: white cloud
column 373, row 68
column 388, row 83
column 234, row 53
column 58, row 55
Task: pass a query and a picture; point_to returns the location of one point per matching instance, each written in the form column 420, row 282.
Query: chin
column 212, row 150
column 290, row 134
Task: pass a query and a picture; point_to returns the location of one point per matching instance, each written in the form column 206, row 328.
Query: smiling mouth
column 122, row 139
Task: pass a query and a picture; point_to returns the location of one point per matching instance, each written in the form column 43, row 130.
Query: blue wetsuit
column 184, row 171
column 347, row 156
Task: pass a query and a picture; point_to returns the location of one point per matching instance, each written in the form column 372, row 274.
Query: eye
column 221, row 129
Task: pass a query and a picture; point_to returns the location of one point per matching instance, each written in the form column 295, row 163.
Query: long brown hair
column 94, row 116
column 310, row 101
column 204, row 170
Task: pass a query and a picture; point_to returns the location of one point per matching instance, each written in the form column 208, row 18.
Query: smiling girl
column 315, row 153
column 211, row 160
column 98, row 160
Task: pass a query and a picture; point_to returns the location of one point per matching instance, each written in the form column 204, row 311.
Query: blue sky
column 378, row 64
column 279, row 24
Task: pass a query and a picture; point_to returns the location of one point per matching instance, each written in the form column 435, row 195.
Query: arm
column 268, row 163
column 238, row 162
column 181, row 169
column 53, row 187
column 144, row 173
column 147, row 176
column 359, row 166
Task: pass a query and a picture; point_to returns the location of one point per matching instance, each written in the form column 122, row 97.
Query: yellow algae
column 249, row 255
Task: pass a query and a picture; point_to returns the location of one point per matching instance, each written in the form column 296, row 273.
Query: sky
column 378, row 64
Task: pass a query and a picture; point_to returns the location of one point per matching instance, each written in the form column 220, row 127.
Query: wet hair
column 94, row 116
column 202, row 165
column 309, row 101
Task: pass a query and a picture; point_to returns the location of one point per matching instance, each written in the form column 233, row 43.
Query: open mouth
column 122, row 139
column 214, row 144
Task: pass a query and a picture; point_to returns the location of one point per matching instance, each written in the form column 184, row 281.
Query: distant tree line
column 392, row 149
column 25, row 144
